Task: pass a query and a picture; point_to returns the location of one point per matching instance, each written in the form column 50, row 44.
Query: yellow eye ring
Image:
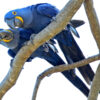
column 8, row 40
column 14, row 12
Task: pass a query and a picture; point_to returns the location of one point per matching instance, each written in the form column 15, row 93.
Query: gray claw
column 25, row 43
column 46, row 48
column 52, row 46
column 53, row 19
column 74, row 31
column 32, row 38
column 11, row 63
column 48, row 45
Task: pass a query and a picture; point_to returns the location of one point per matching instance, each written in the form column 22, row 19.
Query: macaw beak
column 15, row 22
column 10, row 23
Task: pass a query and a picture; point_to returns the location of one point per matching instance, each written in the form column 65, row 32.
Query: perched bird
column 12, row 39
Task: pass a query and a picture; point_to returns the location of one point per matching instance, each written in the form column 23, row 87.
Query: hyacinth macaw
column 12, row 39
column 36, row 18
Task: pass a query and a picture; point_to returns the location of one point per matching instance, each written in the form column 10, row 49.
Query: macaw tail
column 73, row 53
column 55, row 60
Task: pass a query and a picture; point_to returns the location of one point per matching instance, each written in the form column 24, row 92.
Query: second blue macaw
column 12, row 39
column 36, row 18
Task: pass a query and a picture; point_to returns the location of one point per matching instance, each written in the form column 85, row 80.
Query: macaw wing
column 47, row 10
column 73, row 53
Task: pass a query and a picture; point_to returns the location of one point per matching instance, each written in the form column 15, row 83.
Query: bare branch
column 95, row 28
column 93, row 20
column 95, row 88
column 61, row 68
column 55, row 27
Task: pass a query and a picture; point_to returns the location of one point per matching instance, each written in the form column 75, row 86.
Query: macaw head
column 19, row 18
column 6, row 35
column 9, row 38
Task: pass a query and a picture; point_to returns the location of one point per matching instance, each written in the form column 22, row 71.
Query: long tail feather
column 72, row 51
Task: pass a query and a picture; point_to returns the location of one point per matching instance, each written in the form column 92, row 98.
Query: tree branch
column 62, row 68
column 95, row 88
column 95, row 28
column 51, row 30
column 93, row 20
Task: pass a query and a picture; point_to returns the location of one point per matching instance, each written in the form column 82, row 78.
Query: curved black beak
column 10, row 23
column 14, row 23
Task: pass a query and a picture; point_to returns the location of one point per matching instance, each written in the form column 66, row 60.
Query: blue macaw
column 12, row 39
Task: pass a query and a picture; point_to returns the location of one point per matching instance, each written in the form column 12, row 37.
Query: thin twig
column 61, row 68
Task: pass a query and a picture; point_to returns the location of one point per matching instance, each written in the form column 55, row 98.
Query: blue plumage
column 50, row 56
column 37, row 17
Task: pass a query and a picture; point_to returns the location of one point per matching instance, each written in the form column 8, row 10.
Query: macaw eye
column 14, row 12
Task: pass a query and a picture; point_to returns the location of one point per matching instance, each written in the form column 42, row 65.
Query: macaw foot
column 32, row 38
column 25, row 43
column 49, row 45
column 73, row 72
column 11, row 63
column 53, row 19
column 53, row 47
column 46, row 47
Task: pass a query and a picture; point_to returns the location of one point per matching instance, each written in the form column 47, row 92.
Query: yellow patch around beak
column 20, row 18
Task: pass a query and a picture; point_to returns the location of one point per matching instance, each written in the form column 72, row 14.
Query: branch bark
column 55, row 27
column 93, row 20
column 95, row 28
column 61, row 68
column 95, row 88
